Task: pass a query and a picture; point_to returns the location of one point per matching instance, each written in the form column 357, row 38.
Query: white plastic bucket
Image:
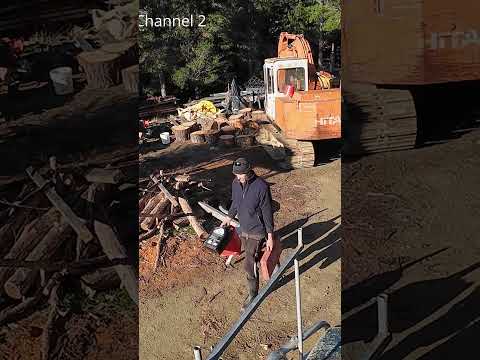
column 62, row 80
column 165, row 137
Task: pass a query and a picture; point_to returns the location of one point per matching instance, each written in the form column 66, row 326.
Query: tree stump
column 102, row 69
column 126, row 49
column 198, row 137
column 236, row 123
column 245, row 140
column 192, row 125
column 130, row 78
column 182, row 133
column 236, row 117
column 228, row 130
column 211, row 136
column 221, row 121
column 207, row 123
column 227, row 140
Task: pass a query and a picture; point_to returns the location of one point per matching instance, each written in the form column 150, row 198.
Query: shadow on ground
column 410, row 305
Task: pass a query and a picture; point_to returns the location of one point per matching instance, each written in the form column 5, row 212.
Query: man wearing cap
column 252, row 202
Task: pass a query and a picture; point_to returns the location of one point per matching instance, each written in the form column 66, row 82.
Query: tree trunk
column 320, row 51
column 163, row 85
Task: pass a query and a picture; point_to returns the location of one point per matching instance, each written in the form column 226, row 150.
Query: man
column 252, row 202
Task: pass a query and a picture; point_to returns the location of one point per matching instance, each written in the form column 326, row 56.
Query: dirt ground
column 195, row 298
column 410, row 228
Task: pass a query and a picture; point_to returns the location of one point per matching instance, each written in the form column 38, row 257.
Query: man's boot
column 252, row 292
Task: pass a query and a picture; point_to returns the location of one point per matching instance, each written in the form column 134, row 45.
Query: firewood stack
column 60, row 228
column 217, row 129
column 166, row 204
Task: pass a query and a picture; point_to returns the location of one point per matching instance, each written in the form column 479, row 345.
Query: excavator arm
column 296, row 46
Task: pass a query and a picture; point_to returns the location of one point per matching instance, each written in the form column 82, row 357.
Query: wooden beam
column 169, row 196
column 217, row 213
column 71, row 218
column 186, row 208
column 115, row 250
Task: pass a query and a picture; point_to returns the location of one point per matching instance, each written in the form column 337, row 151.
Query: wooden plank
column 72, row 219
column 217, row 213
column 167, row 193
column 114, row 250
column 187, row 209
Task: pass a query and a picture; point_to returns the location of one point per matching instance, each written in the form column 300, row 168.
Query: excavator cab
column 279, row 73
column 298, row 118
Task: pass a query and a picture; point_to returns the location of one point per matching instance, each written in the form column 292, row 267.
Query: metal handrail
column 218, row 350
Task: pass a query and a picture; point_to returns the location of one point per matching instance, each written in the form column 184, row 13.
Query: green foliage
column 239, row 35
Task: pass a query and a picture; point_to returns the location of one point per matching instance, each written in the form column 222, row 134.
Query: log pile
column 57, row 231
column 206, row 127
column 165, row 204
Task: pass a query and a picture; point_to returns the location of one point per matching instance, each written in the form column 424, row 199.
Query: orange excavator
column 303, row 105
column 409, row 67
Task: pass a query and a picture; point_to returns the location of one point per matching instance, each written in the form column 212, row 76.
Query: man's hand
column 226, row 222
column 270, row 241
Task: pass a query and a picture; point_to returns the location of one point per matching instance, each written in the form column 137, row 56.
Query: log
column 75, row 222
column 186, row 208
column 31, row 235
column 141, row 203
column 102, row 69
column 198, row 137
column 152, row 203
column 51, row 330
column 22, row 216
column 159, row 247
column 22, row 280
column 227, row 140
column 104, row 176
column 180, row 222
column 247, row 112
column 236, row 117
column 245, row 140
column 183, row 178
column 237, row 123
column 126, row 49
column 190, row 124
column 101, row 279
column 211, row 136
column 130, row 78
column 147, row 235
column 216, row 213
column 259, row 115
column 156, row 212
column 228, row 130
column 114, row 250
column 182, row 133
column 207, row 123
column 164, row 190
column 221, row 121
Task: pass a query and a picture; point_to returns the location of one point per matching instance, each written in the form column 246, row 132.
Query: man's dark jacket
column 252, row 203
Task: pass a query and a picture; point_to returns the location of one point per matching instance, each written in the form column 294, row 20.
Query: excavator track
column 289, row 152
column 300, row 154
column 378, row 120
